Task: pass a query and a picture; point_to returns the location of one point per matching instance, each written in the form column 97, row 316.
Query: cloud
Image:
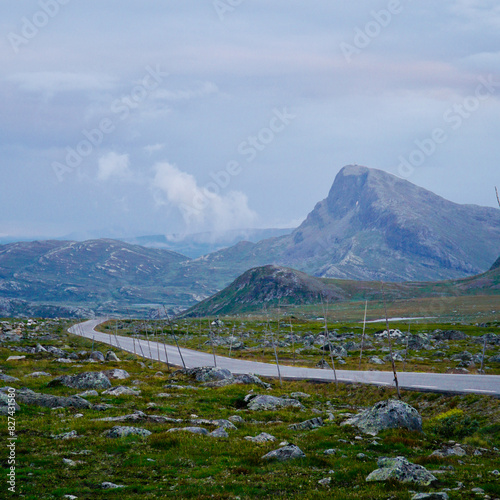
column 153, row 148
column 113, row 165
column 200, row 207
column 206, row 89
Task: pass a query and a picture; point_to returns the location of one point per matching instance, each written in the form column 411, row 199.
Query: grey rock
column 288, row 452
column 236, row 419
column 66, row 435
column 208, row 373
column 86, row 380
column 40, row 348
column 86, row 394
column 219, row 433
column 111, row 356
column 395, row 355
column 494, row 359
column 263, row 437
column 250, row 378
column 330, row 451
column 300, row 395
column 442, row 495
column 121, row 390
column 8, row 378
column 111, row 486
column 222, row 423
column 325, row 481
column 400, row 469
column 449, row 335
column 391, row 414
column 56, row 351
column 264, row 402
column 119, row 431
column 71, row 463
column 38, row 374
column 97, row 356
column 376, row 361
column 313, row 423
column 449, row 452
column 192, row 430
column 48, row 401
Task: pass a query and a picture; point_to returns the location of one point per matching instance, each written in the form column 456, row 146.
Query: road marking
column 424, row 386
column 478, row 390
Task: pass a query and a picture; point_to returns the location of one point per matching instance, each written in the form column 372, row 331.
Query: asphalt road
column 432, row 382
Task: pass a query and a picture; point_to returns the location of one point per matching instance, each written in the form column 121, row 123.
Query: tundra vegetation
column 161, row 432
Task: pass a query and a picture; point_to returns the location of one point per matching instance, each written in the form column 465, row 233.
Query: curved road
column 432, row 382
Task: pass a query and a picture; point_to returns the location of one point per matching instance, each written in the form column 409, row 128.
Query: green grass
column 185, row 466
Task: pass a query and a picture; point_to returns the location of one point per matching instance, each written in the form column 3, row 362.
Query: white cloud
column 153, row 148
column 113, row 165
column 184, row 95
column 201, row 208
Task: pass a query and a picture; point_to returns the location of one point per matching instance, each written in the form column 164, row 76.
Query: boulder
column 219, row 433
column 111, row 356
column 441, row 495
column 391, row 414
column 8, row 378
column 250, row 378
column 38, row 374
column 400, row 469
column 376, row 361
column 5, row 409
column 97, row 356
column 307, row 425
column 494, row 359
column 264, row 402
column 116, row 373
column 86, row 380
column 450, row 452
column 119, row 431
column 48, row 401
column 121, row 390
column 209, row 373
column 192, row 430
column 263, row 437
column 288, row 452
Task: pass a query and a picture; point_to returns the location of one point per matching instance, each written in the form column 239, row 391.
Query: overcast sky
column 128, row 117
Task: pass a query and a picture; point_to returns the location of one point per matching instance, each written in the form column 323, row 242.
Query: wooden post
column 484, row 351
column 363, row 336
column 175, row 337
column 390, row 346
column 406, row 347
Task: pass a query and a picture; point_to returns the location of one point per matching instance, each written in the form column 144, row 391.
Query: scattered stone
column 458, row 371
column 8, row 378
column 86, row 380
column 70, row 497
column 313, row 423
column 250, row 378
column 86, row 394
column 478, row 491
column 219, row 433
column 116, row 373
column 122, row 431
column 495, row 472
column 361, row 456
column 208, row 373
column 64, row 360
column 192, row 430
column 111, row 356
column 288, row 452
column 264, row 402
column 159, row 374
column 389, row 414
column 111, row 486
column 48, row 401
column 16, row 358
column 263, row 437
column 236, row 419
column 325, row 482
column 449, row 452
column 223, row 423
column 97, row 356
column 330, row 451
column 442, row 495
column 376, row 361
column 39, row 374
column 66, row 435
column 299, row 395
column 121, row 390
column 71, row 463
column 401, row 469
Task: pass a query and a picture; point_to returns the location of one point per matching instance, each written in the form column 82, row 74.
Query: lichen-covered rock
column 400, row 469
column 119, row 431
column 450, row 452
column 250, row 378
column 29, row 397
column 265, row 402
column 121, row 390
column 219, row 433
column 288, row 452
column 111, row 356
column 8, row 378
column 5, row 409
column 437, row 495
column 263, row 437
column 86, row 380
column 209, row 373
column 97, row 356
column 192, row 430
column 391, row 414
column 307, row 425
column 116, row 373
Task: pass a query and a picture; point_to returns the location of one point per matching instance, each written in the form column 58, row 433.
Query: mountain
column 198, row 244
column 102, row 275
column 495, row 265
column 376, row 226
column 270, row 286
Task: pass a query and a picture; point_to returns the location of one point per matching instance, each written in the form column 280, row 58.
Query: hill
column 270, row 286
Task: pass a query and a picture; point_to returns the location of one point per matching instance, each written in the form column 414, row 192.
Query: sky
column 123, row 118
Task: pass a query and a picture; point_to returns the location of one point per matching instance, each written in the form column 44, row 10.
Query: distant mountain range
column 372, row 226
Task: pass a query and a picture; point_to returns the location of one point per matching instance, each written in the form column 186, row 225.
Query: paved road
column 433, row 382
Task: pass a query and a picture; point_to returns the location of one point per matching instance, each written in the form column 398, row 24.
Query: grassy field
column 182, row 465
